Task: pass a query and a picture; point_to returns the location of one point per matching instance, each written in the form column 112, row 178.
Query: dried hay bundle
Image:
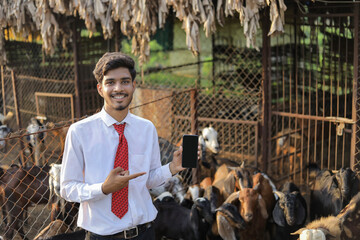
column 138, row 19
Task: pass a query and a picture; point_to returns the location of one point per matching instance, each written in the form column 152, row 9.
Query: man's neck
column 118, row 115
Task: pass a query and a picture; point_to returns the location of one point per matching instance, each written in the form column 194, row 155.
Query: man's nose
column 118, row 86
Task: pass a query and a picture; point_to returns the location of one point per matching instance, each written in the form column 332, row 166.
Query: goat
column 22, row 187
column 255, row 205
column 174, row 185
column 177, row 222
column 331, row 192
column 4, row 129
column 77, row 235
column 266, row 189
column 229, row 221
column 60, row 209
column 215, row 197
column 54, row 228
column 35, row 139
column 345, row 226
column 284, row 147
column 290, row 211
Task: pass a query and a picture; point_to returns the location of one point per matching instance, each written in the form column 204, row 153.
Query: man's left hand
column 176, row 164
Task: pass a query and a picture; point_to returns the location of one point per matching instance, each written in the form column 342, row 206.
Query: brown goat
column 54, row 228
column 253, row 211
column 265, row 191
column 23, row 186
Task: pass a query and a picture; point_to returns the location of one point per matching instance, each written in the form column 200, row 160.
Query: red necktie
column 119, row 201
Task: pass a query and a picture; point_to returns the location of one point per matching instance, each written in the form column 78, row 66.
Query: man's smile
column 119, row 96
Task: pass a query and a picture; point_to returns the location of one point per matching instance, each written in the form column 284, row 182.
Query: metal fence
column 314, row 93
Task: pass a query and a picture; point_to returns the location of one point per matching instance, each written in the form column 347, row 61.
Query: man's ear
column 99, row 88
column 134, row 83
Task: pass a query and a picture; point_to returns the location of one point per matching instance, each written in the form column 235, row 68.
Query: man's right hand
column 118, row 179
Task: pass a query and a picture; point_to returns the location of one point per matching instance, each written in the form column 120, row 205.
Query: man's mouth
column 119, row 96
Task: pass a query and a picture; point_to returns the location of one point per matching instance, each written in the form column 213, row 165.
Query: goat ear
column 300, row 213
column 229, row 184
column 279, row 216
column 194, row 216
column 224, row 228
column 298, row 232
column 262, row 205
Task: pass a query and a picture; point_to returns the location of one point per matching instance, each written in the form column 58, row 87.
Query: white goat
column 174, row 185
column 54, row 179
column 4, row 129
column 35, row 139
column 208, row 140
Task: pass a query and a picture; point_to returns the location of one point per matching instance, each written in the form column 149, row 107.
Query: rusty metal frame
column 355, row 86
column 58, row 95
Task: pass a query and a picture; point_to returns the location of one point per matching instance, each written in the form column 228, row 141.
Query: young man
column 112, row 158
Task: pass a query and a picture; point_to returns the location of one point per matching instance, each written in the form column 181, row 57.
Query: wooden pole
column 355, row 86
column 194, row 130
column 266, row 100
column 76, row 71
column 3, row 89
column 17, row 114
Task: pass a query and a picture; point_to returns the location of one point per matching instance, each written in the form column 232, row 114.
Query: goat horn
column 241, row 184
column 256, row 186
column 242, row 164
column 280, row 194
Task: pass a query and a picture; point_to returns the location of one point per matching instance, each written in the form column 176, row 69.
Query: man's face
column 117, row 89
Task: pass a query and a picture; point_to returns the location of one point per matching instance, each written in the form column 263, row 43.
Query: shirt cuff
column 96, row 190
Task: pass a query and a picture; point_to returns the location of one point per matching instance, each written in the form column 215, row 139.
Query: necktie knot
column 119, row 128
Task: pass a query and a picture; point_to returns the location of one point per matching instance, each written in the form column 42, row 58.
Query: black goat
column 332, row 192
column 290, row 211
column 177, row 222
column 77, row 235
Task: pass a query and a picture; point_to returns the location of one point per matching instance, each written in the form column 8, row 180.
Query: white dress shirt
column 89, row 154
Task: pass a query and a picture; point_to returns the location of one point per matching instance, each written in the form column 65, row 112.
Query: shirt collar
column 109, row 120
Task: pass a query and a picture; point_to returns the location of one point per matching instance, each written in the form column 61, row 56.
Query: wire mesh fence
column 28, row 202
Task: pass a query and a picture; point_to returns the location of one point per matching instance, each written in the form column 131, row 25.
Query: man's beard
column 120, row 108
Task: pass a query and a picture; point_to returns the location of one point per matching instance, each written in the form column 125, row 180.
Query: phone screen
column 190, row 149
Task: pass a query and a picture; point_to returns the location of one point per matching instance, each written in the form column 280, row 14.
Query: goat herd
column 231, row 202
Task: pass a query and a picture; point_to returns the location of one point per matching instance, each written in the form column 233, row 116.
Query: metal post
column 266, row 100
column 117, row 30
column 76, row 71
column 194, row 129
column 213, row 75
column 355, row 88
column 3, row 89
column 17, row 114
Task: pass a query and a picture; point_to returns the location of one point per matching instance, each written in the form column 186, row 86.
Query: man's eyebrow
column 111, row 78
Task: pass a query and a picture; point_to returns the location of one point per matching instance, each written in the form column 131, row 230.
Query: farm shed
column 291, row 102
column 297, row 88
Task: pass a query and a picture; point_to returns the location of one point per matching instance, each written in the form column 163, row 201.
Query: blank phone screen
column 190, row 149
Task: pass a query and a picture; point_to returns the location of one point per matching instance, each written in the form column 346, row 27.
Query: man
column 112, row 158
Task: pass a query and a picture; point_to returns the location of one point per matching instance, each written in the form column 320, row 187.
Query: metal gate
column 314, row 91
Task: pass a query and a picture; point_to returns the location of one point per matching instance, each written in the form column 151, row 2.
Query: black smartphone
column 190, row 149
